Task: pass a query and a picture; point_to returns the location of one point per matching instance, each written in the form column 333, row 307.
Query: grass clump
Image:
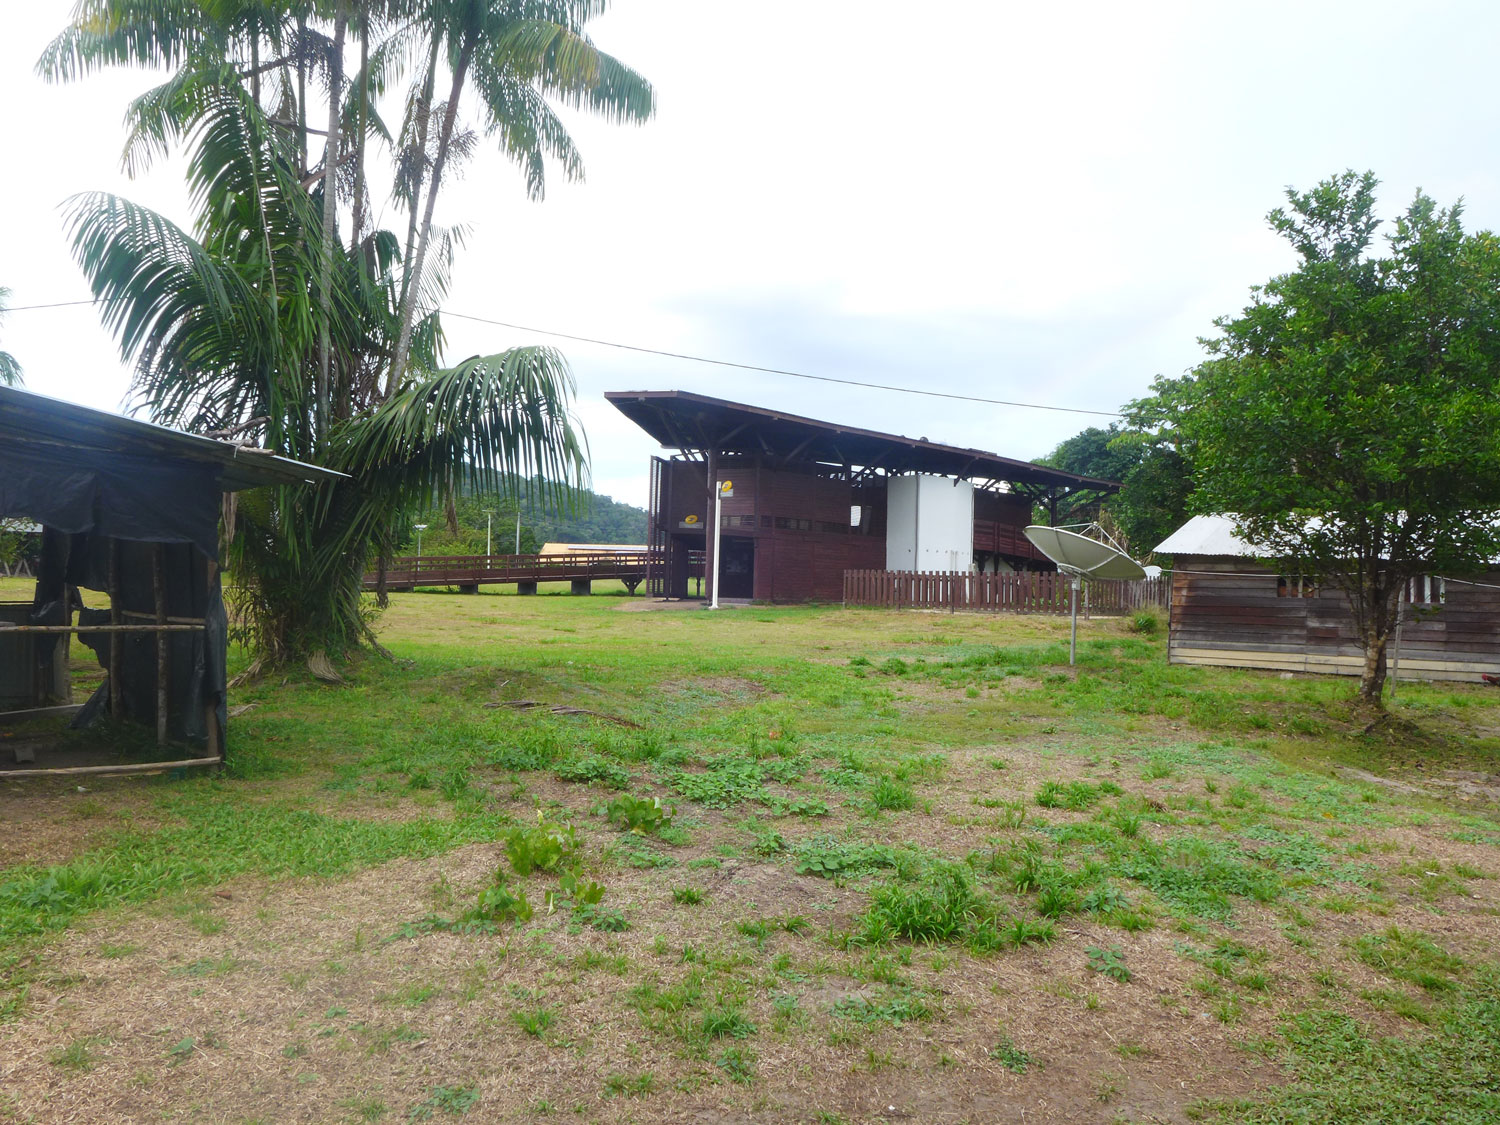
column 890, row 795
column 726, row 1021
column 1008, row 1055
column 1408, row 956
column 942, row 908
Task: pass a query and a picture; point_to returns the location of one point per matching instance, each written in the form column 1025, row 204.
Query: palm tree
column 514, row 54
column 223, row 326
column 10, row 370
column 257, row 324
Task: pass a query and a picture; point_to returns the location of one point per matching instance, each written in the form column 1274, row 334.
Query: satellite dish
column 1152, row 571
column 1082, row 556
column 1089, row 554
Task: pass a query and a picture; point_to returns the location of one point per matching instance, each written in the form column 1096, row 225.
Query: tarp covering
column 111, row 494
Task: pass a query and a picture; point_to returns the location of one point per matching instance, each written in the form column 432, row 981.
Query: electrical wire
column 782, row 371
column 709, row 360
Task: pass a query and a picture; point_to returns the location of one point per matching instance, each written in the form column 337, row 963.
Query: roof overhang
column 696, row 423
column 39, row 420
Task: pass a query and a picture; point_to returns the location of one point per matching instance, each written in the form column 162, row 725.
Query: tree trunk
column 358, row 222
column 1375, row 637
column 424, row 118
column 1372, row 676
column 301, row 98
column 408, row 306
column 330, row 212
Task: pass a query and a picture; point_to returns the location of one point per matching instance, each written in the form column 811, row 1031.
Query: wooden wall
column 799, row 520
column 1229, row 612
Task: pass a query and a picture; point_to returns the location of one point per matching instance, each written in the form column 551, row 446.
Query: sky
column 1042, row 203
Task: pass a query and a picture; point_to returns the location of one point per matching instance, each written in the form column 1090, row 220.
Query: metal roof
column 37, row 419
column 693, row 422
column 1206, row 535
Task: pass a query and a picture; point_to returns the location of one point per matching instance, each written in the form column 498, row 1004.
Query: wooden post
column 210, row 707
column 710, row 514
column 116, row 641
column 159, row 594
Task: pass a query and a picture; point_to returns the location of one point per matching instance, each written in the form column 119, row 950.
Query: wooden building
column 1230, row 609
column 129, row 510
column 813, row 499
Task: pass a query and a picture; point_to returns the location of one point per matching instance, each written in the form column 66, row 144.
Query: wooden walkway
column 468, row 572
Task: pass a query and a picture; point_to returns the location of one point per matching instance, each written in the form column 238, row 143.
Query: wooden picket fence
column 1021, row 592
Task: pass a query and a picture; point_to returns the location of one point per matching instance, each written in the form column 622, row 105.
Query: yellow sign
column 689, row 519
column 726, row 488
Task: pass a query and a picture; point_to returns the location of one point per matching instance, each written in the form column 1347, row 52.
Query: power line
column 62, row 304
column 709, row 360
column 780, row 370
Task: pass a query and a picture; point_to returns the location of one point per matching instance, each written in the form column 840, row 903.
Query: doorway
column 737, row 568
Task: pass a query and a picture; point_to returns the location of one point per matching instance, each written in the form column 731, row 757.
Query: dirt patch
column 1464, row 785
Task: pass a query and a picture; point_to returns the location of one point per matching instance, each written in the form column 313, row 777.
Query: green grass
column 1340, row 1072
column 870, row 762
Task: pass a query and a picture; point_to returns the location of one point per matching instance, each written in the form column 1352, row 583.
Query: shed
column 1231, row 609
column 130, row 510
column 809, row 500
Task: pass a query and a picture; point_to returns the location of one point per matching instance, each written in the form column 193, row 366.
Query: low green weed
column 643, row 816
column 593, row 770
column 548, row 847
column 1109, row 962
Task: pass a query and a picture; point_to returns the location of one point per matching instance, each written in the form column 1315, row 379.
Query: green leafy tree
column 1348, row 416
column 1155, row 480
column 10, row 370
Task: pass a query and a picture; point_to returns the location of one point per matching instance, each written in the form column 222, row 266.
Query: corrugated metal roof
column 30, row 417
column 1206, row 535
column 687, row 421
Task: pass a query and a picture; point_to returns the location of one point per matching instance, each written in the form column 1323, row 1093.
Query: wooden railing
column 1023, row 592
column 470, row 570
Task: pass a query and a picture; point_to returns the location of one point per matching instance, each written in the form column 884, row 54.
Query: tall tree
column 10, row 369
column 1347, row 417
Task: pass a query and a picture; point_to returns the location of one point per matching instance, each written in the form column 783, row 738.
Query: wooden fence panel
column 1022, row 592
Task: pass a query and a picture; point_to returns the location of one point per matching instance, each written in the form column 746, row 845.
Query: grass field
column 778, row 865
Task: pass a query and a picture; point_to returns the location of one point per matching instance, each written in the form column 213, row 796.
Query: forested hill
column 592, row 519
column 598, row 519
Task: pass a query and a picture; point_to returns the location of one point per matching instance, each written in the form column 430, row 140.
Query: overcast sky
column 1047, row 203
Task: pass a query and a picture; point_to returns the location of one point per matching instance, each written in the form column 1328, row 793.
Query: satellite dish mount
column 1086, row 553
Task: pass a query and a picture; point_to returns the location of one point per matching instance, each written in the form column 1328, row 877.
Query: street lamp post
column 518, row 529
column 421, row 527
column 489, row 514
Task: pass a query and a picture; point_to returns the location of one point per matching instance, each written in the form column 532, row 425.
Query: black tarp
column 112, row 494
column 89, row 498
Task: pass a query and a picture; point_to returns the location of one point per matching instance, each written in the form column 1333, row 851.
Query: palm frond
column 564, row 63
column 150, row 33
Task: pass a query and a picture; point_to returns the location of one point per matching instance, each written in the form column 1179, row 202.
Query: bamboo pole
column 6, row 630
column 139, row 767
column 159, row 595
column 116, row 611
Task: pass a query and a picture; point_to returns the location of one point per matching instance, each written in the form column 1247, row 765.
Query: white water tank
column 929, row 523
